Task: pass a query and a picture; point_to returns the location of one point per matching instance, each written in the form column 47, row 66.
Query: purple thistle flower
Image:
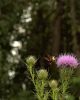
column 67, row 60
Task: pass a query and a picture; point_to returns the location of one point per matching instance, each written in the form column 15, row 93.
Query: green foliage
column 49, row 31
column 59, row 89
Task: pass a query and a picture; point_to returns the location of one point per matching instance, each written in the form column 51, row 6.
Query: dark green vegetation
column 49, row 27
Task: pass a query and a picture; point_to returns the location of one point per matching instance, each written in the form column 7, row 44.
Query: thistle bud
column 31, row 60
column 42, row 74
column 53, row 84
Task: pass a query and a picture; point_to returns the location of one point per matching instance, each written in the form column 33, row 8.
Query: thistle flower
column 67, row 60
column 31, row 60
column 53, row 83
column 42, row 74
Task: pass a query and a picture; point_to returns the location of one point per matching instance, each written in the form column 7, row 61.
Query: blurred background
column 39, row 28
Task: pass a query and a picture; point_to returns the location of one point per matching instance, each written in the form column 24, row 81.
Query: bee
column 50, row 59
column 45, row 61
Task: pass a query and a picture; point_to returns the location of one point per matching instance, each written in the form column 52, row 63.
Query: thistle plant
column 66, row 64
column 30, row 61
column 41, row 83
column 54, row 89
column 58, row 88
column 39, row 79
